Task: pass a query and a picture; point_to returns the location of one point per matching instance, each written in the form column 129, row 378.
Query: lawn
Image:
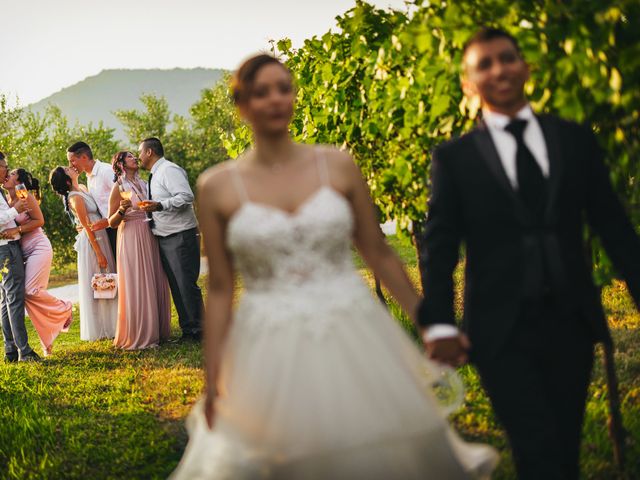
column 91, row 411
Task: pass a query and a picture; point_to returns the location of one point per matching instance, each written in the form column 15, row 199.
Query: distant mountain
column 96, row 98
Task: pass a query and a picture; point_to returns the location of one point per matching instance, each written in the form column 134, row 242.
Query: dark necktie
column 149, row 214
column 532, row 185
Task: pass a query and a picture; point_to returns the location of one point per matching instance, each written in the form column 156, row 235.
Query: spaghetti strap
column 323, row 169
column 239, row 184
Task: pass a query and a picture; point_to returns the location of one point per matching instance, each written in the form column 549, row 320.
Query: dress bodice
column 90, row 206
column 139, row 189
column 273, row 249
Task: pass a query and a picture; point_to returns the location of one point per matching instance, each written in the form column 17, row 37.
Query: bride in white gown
column 309, row 378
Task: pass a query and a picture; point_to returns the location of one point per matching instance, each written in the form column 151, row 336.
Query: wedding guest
column 49, row 315
column 99, row 181
column 174, row 224
column 14, row 332
column 97, row 316
column 144, row 304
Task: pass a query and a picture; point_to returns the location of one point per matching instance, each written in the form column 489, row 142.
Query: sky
column 46, row 45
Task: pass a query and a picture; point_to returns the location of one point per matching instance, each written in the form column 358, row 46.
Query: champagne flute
column 21, row 191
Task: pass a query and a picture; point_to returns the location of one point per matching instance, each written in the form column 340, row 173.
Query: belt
column 11, row 242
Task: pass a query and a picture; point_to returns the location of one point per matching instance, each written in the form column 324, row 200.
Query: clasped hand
column 452, row 351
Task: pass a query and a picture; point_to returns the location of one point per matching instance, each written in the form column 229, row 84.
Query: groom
column 517, row 191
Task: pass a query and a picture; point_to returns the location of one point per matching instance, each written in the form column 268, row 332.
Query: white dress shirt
column 506, row 146
column 7, row 219
column 100, row 182
column 170, row 186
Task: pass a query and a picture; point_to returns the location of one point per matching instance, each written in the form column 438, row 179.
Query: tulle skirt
column 321, row 383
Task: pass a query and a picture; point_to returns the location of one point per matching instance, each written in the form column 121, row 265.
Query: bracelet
column 20, row 229
column 121, row 212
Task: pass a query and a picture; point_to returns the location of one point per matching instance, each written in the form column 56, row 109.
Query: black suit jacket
column 473, row 202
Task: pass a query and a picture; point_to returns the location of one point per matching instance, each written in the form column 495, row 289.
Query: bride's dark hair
column 32, row 184
column 243, row 78
column 61, row 183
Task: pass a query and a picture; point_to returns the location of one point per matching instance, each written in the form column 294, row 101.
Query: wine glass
column 21, row 191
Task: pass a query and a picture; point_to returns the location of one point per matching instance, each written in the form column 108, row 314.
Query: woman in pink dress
column 144, row 308
column 49, row 315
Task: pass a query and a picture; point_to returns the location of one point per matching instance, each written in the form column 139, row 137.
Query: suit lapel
column 489, row 153
column 550, row 132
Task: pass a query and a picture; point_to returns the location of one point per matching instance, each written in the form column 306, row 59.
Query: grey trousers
column 180, row 255
column 12, row 300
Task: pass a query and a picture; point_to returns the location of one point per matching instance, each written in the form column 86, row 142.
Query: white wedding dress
column 317, row 380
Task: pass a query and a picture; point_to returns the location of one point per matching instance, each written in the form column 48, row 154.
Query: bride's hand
column 210, row 410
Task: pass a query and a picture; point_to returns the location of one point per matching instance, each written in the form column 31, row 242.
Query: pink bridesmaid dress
column 49, row 314
column 144, row 302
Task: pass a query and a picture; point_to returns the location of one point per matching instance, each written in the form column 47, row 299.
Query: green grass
column 92, row 411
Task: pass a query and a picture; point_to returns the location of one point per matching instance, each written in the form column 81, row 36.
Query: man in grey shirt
column 174, row 225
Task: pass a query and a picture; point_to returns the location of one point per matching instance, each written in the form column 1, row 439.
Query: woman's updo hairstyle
column 59, row 181
column 117, row 164
column 243, row 78
column 32, row 184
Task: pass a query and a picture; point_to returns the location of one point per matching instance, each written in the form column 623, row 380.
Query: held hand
column 125, row 205
column 99, row 225
column 451, row 350
column 21, row 206
column 150, row 206
column 102, row 261
column 10, row 233
column 210, row 410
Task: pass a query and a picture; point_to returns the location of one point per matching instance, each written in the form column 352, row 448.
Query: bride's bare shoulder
column 215, row 184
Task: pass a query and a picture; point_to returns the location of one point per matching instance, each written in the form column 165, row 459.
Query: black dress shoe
column 11, row 357
column 191, row 337
column 30, row 357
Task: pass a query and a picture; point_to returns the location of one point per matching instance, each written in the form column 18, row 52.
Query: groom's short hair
column 80, row 148
column 155, row 145
column 486, row 34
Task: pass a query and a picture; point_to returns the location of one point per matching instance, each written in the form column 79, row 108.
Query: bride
column 310, row 378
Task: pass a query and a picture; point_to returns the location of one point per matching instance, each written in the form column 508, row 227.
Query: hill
column 96, row 98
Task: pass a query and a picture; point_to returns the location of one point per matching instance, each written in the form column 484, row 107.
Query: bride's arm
column 217, row 316
column 371, row 242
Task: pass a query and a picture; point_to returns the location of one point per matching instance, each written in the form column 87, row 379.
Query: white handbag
column 104, row 285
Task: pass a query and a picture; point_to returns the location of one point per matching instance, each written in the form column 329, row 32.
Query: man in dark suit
column 517, row 191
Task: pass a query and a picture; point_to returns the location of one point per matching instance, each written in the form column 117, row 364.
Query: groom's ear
column 468, row 87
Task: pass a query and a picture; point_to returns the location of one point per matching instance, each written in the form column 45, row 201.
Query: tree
column 194, row 142
column 385, row 86
column 38, row 143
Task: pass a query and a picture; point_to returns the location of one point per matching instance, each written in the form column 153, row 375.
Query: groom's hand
column 450, row 350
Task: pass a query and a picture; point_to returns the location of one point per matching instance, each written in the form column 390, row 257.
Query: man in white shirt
column 174, row 225
column 14, row 332
column 100, row 181
column 518, row 191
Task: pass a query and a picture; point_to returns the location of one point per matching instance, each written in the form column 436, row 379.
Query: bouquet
column 104, row 285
